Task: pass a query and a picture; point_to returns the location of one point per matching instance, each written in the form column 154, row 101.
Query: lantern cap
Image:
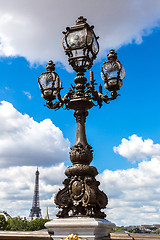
column 81, row 20
column 112, row 56
column 50, row 67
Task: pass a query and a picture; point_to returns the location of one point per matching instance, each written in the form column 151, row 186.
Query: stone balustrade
column 125, row 236
column 18, row 235
column 43, row 235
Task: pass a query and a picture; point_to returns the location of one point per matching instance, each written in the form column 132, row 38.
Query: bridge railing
column 18, row 235
column 43, row 235
column 131, row 236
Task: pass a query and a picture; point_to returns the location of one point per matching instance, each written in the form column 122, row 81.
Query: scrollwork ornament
column 76, row 188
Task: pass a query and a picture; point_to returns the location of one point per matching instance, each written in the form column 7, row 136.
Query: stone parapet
column 85, row 228
column 131, row 236
column 18, row 235
column 43, row 235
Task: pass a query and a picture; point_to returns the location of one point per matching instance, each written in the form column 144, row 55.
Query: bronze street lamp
column 81, row 195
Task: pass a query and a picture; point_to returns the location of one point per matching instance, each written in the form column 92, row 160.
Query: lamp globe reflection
column 49, row 83
column 112, row 72
column 80, row 44
column 81, row 195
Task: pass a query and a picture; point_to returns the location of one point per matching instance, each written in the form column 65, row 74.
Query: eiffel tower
column 35, row 211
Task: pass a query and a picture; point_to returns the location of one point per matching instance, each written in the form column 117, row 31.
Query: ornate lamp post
column 81, row 195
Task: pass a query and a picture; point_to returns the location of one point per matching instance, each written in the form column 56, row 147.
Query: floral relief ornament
column 73, row 237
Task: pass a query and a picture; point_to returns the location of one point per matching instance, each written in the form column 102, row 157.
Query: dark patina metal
column 81, row 195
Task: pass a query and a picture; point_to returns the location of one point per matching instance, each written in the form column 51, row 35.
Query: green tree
column 17, row 224
column 3, row 222
column 37, row 224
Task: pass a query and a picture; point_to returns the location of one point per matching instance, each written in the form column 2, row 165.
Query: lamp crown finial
column 50, row 66
column 112, row 55
column 80, row 20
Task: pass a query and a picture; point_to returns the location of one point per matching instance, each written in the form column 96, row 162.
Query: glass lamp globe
column 80, row 44
column 49, row 82
column 112, row 72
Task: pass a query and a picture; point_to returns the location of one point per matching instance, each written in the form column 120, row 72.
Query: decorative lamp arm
column 64, row 100
column 98, row 95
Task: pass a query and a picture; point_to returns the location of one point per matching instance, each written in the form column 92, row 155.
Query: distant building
column 140, row 229
column 148, row 228
column 5, row 214
column 47, row 215
column 35, row 211
column 156, row 225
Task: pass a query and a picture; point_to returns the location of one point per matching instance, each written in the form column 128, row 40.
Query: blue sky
column 33, row 141
column 131, row 113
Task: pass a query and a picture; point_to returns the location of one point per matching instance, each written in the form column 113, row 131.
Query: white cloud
column 24, row 145
column 28, row 95
column 25, row 142
column 136, row 149
column 32, row 29
column 17, row 188
column 133, row 194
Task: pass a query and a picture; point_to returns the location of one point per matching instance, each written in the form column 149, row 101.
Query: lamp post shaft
column 81, row 130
